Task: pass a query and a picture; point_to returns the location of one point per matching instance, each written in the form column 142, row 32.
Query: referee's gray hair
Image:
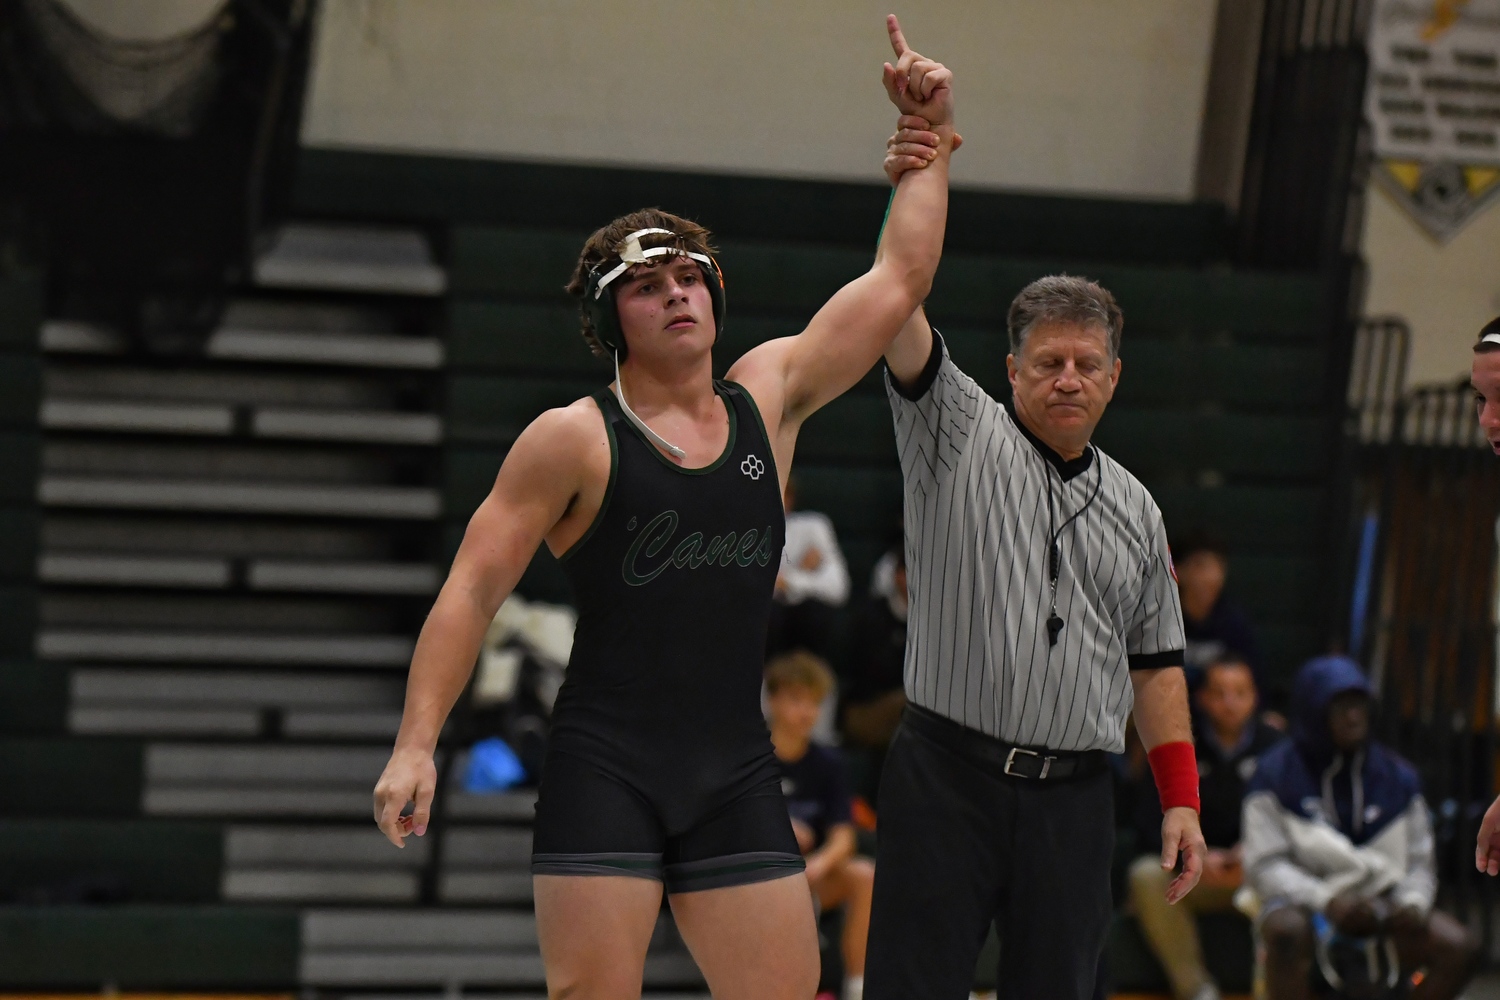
column 1065, row 298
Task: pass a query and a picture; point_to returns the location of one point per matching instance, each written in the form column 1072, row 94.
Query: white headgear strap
column 632, row 254
column 1490, row 338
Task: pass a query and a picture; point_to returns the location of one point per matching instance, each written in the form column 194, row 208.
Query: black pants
column 961, row 844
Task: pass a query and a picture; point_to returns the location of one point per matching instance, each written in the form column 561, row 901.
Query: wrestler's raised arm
column 792, row 377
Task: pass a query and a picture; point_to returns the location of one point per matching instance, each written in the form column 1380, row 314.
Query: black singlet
column 659, row 759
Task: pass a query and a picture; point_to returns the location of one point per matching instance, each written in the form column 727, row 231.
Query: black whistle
column 1054, row 626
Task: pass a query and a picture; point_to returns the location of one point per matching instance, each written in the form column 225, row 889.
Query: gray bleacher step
column 344, row 577
column 110, row 570
column 187, row 779
column 487, row 846
column 512, row 807
column 420, row 968
column 184, row 534
column 480, row 886
column 116, row 720
column 216, row 801
column 66, row 336
column 135, row 417
column 282, row 886
column 313, row 500
column 266, row 766
column 452, row 930
column 364, row 847
column 302, row 424
column 233, row 688
column 349, row 258
column 361, row 426
column 328, row 725
column 463, row 969
column 224, row 647
column 360, row 350
column 218, row 386
column 104, row 569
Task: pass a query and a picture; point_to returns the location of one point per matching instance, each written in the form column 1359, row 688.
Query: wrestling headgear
column 600, row 302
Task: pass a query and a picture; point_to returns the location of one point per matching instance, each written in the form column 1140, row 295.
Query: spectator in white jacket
column 812, row 585
column 1338, row 840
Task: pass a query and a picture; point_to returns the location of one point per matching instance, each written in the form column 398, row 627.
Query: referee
column 1043, row 608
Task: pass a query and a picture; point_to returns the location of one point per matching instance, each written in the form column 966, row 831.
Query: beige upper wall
column 1446, row 293
column 1076, row 96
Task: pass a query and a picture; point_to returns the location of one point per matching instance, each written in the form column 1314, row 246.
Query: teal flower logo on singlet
column 648, row 557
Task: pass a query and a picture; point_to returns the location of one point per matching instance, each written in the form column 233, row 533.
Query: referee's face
column 1062, row 381
column 1486, row 382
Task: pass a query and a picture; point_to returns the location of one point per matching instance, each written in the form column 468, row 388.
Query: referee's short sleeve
column 1156, row 636
column 934, row 416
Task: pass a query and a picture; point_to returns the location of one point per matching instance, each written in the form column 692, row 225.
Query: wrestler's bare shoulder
column 566, row 442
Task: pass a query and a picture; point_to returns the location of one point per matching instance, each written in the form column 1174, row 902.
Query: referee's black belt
column 992, row 753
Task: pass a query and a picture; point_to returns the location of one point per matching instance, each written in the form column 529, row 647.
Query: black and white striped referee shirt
column 977, row 527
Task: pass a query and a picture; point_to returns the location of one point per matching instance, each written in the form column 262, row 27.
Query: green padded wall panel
column 796, row 280
column 18, row 620
column 1249, row 519
column 70, row 777
column 19, row 528
column 150, row 861
column 20, row 389
column 468, row 476
column 463, row 189
column 20, row 458
column 860, row 501
column 33, row 698
column 494, row 409
column 149, row 948
column 535, row 338
column 1151, row 442
column 20, row 312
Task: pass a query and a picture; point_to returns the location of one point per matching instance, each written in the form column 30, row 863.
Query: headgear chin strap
column 606, row 318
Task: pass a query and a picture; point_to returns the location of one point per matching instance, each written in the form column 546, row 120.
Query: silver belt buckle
column 1010, row 759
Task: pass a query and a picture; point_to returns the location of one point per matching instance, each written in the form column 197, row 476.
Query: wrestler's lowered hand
column 915, row 84
column 1182, row 838
column 410, row 778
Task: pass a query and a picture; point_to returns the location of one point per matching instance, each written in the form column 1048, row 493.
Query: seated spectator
column 1213, row 624
column 817, row 794
column 1229, row 739
column 1338, row 845
column 812, row 584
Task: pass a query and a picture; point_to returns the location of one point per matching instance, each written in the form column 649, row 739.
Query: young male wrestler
column 662, row 496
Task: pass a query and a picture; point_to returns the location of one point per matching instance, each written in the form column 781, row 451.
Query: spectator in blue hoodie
column 1336, row 829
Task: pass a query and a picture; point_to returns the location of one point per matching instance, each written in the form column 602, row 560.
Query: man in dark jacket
column 1338, row 841
column 1230, row 739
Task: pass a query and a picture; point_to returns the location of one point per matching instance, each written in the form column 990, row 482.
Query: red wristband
column 1175, row 768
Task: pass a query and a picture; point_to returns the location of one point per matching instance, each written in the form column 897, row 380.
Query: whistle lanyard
column 1054, row 542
